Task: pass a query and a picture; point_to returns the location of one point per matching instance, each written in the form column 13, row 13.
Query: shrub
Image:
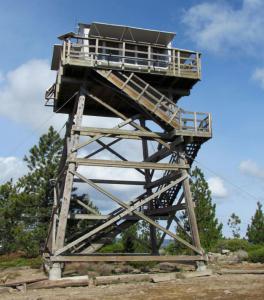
column 113, row 248
column 256, row 255
column 232, row 245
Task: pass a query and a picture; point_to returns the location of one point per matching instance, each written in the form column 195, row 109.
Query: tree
column 255, row 231
column 233, row 223
column 209, row 228
column 25, row 207
column 129, row 238
column 210, row 231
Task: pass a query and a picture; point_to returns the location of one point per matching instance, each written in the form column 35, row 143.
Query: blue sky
column 228, row 33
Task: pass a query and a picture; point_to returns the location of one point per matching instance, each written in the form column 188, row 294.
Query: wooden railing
column 160, row 105
column 97, row 52
column 195, row 121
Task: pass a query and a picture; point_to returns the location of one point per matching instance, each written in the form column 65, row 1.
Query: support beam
column 112, row 181
column 128, row 209
column 113, row 132
column 123, row 258
column 127, row 164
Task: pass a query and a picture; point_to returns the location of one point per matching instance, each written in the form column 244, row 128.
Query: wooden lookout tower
column 135, row 77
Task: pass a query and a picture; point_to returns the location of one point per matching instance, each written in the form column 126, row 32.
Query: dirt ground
column 213, row 287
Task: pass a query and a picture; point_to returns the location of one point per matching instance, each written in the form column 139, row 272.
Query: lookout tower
column 135, row 76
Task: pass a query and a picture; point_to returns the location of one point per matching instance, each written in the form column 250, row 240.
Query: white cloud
column 251, row 168
column 216, row 185
column 258, row 76
column 22, row 95
column 11, row 168
column 220, row 27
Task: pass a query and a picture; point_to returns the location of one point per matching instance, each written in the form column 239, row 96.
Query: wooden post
column 190, row 206
column 69, row 177
column 152, row 229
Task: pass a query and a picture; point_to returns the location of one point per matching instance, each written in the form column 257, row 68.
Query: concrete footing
column 55, row 271
column 200, row 266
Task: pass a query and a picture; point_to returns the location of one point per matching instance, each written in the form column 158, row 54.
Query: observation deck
column 143, row 64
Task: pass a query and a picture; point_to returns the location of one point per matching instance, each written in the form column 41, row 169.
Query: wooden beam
column 128, row 209
column 123, row 258
column 112, row 181
column 87, row 207
column 127, row 164
column 87, row 217
column 92, row 131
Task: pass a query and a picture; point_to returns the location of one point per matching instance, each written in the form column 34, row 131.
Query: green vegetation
column 255, row 231
column 209, row 228
column 234, row 245
column 256, row 255
column 25, row 206
column 11, row 261
column 234, row 222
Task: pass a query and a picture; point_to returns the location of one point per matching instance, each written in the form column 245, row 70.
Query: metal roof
column 127, row 33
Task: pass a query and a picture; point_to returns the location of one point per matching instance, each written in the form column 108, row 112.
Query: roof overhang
column 126, row 33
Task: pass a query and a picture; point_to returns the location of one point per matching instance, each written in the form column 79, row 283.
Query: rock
column 163, row 277
column 241, row 255
column 186, row 275
column 213, row 257
column 162, row 251
column 4, row 290
column 225, row 251
column 169, row 267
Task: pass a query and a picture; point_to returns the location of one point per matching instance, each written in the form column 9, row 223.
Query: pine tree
column 255, row 231
column 209, row 228
column 25, row 206
column 129, row 238
column 233, row 223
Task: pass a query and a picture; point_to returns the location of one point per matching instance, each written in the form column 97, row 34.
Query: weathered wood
column 163, row 277
column 102, row 280
column 92, row 131
column 127, row 164
column 241, row 271
column 123, row 258
column 187, row 275
column 60, row 283
column 122, row 214
column 61, row 231
column 25, row 281
column 112, row 181
column 87, row 217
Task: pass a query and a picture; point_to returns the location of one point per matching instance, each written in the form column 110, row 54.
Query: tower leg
column 69, row 176
column 190, row 206
column 152, row 229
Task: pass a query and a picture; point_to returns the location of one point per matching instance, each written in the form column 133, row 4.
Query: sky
column 229, row 34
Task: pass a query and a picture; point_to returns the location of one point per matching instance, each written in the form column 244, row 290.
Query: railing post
column 179, row 62
column 173, row 61
column 149, row 57
column 68, row 51
column 96, row 50
column 195, row 121
column 63, row 50
column 198, row 64
column 123, row 55
column 210, row 123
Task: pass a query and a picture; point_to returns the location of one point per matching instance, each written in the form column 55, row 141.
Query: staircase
column 168, row 197
column 145, row 95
